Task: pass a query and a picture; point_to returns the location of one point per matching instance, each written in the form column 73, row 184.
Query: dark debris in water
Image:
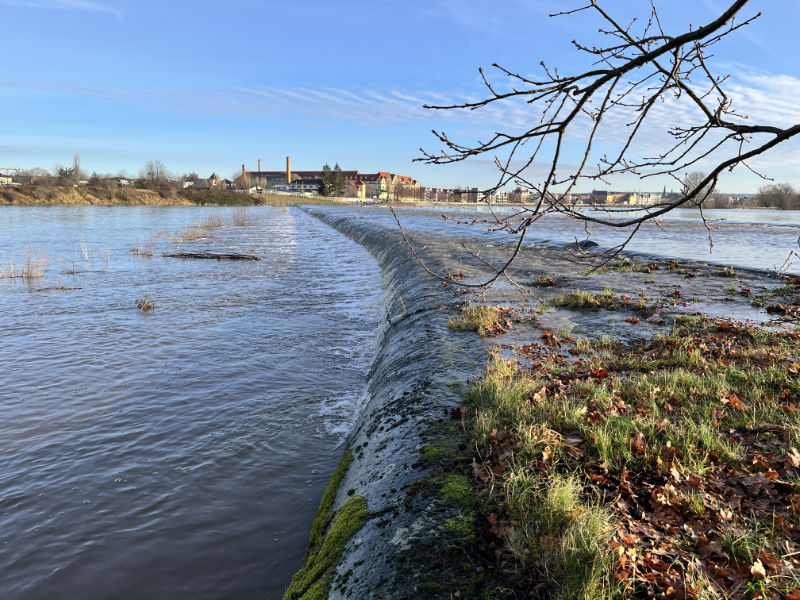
column 212, row 255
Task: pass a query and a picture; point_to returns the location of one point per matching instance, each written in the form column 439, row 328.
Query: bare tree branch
column 639, row 69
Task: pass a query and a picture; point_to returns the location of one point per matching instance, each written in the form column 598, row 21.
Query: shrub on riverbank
column 667, row 466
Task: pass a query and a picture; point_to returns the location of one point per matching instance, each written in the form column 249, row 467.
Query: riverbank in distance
column 34, row 195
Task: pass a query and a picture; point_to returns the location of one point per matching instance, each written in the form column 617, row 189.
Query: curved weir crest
column 407, row 391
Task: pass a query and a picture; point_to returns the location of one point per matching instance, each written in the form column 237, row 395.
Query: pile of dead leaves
column 691, row 441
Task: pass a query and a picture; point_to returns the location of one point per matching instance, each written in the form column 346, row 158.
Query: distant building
column 214, row 182
column 645, row 198
column 519, row 196
column 381, row 186
column 606, row 197
column 305, row 185
column 122, row 181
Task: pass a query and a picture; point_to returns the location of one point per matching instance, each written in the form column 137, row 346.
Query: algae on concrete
column 329, row 534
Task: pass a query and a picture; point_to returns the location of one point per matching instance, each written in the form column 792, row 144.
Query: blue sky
column 206, row 86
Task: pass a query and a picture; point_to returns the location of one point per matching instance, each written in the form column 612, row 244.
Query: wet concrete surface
column 411, row 381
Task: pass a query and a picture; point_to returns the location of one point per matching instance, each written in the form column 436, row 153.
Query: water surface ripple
column 179, row 453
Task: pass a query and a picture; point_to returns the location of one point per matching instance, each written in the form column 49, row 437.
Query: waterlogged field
column 167, row 426
column 761, row 239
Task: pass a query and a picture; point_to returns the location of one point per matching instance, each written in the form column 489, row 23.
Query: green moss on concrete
column 431, row 587
column 325, row 510
column 461, row 527
column 313, row 581
column 318, row 590
column 329, row 534
column 456, row 489
column 441, row 450
column 431, row 453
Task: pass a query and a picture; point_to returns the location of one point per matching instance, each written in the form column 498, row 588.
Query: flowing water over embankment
column 408, row 394
column 414, row 509
column 179, row 452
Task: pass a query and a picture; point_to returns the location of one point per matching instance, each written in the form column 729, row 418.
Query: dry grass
column 32, row 267
column 213, row 220
column 192, row 234
column 242, row 216
column 143, row 249
column 145, row 304
column 486, row 320
column 581, row 299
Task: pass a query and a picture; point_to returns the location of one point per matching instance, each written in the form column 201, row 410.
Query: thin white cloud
column 715, row 8
column 765, row 97
column 67, row 5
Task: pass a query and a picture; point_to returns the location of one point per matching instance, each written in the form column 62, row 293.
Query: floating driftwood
column 213, row 255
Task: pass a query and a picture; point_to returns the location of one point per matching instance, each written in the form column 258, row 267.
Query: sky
column 208, row 86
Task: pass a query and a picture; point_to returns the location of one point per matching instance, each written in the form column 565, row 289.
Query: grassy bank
column 663, row 468
column 67, row 195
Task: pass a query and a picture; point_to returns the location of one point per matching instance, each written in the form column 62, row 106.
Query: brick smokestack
column 288, row 170
column 259, row 165
column 243, row 171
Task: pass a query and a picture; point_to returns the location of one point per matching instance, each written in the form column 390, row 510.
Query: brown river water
column 179, row 452
column 182, row 452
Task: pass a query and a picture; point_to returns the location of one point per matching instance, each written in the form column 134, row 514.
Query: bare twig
column 640, row 68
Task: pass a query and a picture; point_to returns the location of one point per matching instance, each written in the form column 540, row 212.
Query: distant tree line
column 50, row 185
column 782, row 196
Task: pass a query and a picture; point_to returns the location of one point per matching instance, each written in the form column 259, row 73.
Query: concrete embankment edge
column 412, row 390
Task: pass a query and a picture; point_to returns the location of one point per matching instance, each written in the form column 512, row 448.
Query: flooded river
column 761, row 239
column 179, row 452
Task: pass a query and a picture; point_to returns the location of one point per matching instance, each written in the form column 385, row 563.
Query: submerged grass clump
column 626, row 265
column 581, row 299
column 242, row 217
column 192, row 234
column 145, row 304
column 32, row 267
column 486, row 320
column 543, row 281
column 213, row 220
column 623, row 471
column 143, row 250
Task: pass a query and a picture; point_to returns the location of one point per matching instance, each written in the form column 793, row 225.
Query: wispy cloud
column 766, row 98
column 68, row 5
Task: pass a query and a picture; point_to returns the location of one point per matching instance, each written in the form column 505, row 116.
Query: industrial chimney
column 243, row 171
column 288, row 170
column 259, row 166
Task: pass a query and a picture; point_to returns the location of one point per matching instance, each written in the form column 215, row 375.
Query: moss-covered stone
column 313, row 581
column 325, row 510
column 444, row 449
column 456, row 489
column 461, row 527
column 329, row 534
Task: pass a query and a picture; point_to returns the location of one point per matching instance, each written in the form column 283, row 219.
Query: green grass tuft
column 475, row 318
column 581, row 299
column 461, row 527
